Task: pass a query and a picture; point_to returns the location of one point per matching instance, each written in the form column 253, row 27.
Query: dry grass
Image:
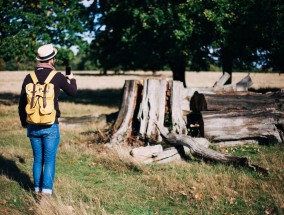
column 91, row 179
column 11, row 81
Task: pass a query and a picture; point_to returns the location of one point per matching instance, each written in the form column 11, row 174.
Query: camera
column 68, row 70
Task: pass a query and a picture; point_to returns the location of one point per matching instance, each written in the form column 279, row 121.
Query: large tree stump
column 236, row 118
column 145, row 103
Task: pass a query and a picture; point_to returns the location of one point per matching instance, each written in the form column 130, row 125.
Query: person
column 45, row 139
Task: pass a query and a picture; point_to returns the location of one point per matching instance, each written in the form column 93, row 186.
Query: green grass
column 91, row 179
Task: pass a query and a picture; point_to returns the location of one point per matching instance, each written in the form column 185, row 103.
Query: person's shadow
column 11, row 170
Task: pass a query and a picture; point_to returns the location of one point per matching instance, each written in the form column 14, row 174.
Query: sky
column 87, row 3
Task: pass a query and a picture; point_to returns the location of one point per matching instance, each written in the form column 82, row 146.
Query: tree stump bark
column 152, row 108
column 146, row 103
column 125, row 115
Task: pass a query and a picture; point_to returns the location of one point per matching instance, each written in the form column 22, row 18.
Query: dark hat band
column 48, row 56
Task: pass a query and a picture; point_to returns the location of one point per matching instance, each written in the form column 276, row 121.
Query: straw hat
column 46, row 52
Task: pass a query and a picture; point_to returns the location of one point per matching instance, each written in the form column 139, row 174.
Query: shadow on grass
column 9, row 99
column 12, row 171
column 106, row 97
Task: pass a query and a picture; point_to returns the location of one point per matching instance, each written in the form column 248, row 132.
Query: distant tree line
column 150, row 35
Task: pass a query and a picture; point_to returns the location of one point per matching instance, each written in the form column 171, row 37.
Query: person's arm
column 69, row 88
column 22, row 106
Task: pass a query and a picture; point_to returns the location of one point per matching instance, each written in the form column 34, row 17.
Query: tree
column 25, row 25
column 244, row 30
column 149, row 35
column 179, row 34
column 273, row 47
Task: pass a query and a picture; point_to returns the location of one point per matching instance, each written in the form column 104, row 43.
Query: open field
column 91, row 179
column 11, row 81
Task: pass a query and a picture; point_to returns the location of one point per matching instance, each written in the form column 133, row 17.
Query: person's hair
column 46, row 61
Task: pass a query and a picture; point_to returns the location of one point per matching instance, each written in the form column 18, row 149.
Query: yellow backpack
column 40, row 101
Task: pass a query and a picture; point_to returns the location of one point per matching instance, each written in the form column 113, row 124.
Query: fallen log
column 255, row 126
column 208, row 154
column 243, row 101
column 156, row 153
column 238, row 119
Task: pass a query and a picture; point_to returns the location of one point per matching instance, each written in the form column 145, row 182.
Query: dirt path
column 10, row 82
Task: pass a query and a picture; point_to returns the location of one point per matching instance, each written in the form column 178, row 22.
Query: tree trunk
column 152, row 108
column 227, row 63
column 178, row 69
column 125, row 116
column 147, row 103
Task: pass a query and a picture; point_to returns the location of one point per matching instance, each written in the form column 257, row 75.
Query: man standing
column 35, row 106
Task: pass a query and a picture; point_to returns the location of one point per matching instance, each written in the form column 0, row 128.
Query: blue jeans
column 44, row 140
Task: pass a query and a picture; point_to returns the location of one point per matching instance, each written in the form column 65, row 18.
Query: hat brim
column 52, row 55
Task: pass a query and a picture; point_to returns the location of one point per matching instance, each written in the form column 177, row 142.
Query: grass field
column 91, row 179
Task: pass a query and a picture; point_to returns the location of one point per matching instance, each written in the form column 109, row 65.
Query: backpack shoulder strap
column 50, row 76
column 34, row 78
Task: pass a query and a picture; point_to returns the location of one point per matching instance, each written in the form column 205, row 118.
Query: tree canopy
column 188, row 34
column 26, row 24
column 151, row 35
column 147, row 35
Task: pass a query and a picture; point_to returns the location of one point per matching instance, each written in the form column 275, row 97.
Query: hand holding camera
column 68, row 73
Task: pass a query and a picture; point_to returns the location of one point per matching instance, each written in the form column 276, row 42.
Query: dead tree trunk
column 145, row 103
column 125, row 116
